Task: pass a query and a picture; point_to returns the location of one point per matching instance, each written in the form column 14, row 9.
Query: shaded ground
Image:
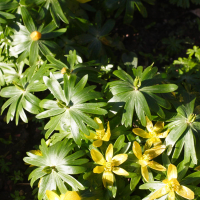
column 162, row 37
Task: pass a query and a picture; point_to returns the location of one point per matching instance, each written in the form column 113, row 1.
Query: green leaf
column 28, row 21
column 164, row 88
column 58, row 10
column 54, row 87
column 56, row 62
column 53, row 34
column 119, row 143
column 33, row 55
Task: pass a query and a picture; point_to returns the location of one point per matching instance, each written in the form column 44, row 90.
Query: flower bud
column 35, row 35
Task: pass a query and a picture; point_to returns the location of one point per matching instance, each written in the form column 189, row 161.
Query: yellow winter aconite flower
column 69, row 195
column 109, row 165
column 83, row 1
column 100, row 135
column 146, row 159
column 154, row 133
column 172, row 186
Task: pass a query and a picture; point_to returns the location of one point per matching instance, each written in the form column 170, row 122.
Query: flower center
column 153, row 134
column 172, row 185
column 108, row 166
column 100, row 134
column 35, row 35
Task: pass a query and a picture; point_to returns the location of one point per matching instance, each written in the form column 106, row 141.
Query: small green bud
column 191, row 118
column 47, row 170
column 137, row 82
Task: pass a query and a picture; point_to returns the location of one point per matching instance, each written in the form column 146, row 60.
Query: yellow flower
column 109, row 165
column 154, row 134
column 83, row 1
column 69, row 195
column 172, row 186
column 146, row 159
column 100, row 135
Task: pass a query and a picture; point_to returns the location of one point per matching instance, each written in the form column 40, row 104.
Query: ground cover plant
column 106, row 122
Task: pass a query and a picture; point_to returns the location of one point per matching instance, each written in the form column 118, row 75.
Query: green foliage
column 184, row 3
column 138, row 90
column 55, row 166
column 62, row 61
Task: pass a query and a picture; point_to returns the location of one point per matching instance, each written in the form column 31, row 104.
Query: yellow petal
column 171, row 195
column 156, row 166
column 107, row 135
column 52, row 195
column 158, row 127
column 149, row 125
column 36, row 152
column 148, row 144
column 72, row 195
column 163, row 135
column 97, row 143
column 120, row 171
column 172, row 172
column 184, row 192
column 141, row 133
column 108, row 179
column 62, row 196
column 153, row 141
column 99, row 122
column 109, row 153
column 83, row 1
column 159, row 193
column 98, row 169
column 91, row 136
column 156, row 141
column 155, row 151
column 197, row 168
column 145, row 173
column 137, row 150
column 119, row 159
column 97, row 157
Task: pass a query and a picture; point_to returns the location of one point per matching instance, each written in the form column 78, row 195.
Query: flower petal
column 109, row 153
column 72, row 195
column 158, row 127
column 108, row 179
column 155, row 151
column 141, row 133
column 156, row 166
column 149, row 125
column 120, row 171
column 171, row 195
column 107, row 135
column 172, row 172
column 52, row 195
column 36, row 152
column 137, row 150
column 159, row 193
column 99, row 122
column 119, row 159
column 91, row 136
column 98, row 169
column 97, row 157
column 97, row 143
column 163, row 135
column 184, row 192
column 148, row 144
column 145, row 173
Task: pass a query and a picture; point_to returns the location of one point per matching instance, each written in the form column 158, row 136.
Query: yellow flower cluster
column 69, row 195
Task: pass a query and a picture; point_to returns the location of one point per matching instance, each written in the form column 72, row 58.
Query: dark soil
column 145, row 38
